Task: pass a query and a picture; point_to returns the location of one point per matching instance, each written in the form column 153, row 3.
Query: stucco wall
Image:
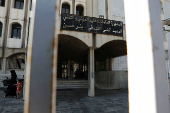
column 166, row 5
column 111, row 79
column 119, row 63
column 101, row 7
column 118, row 10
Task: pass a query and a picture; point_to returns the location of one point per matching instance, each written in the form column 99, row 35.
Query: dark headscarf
column 13, row 74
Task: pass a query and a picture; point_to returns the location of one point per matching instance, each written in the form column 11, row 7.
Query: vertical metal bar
column 42, row 58
column 148, row 83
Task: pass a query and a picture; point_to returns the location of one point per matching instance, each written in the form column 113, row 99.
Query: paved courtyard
column 76, row 101
column 106, row 101
column 11, row 104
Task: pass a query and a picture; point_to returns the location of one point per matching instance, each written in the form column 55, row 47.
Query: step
column 70, row 87
column 72, row 84
column 72, row 81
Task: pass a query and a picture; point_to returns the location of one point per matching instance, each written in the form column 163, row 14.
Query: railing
column 90, row 24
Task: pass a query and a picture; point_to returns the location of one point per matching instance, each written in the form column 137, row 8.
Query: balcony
column 14, row 43
column 91, row 25
column 2, row 12
column 16, row 14
column 165, row 45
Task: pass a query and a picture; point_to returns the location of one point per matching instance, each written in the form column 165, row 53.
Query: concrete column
column 107, row 65
column 109, row 11
column 92, row 6
column 91, row 90
column 73, row 7
column 69, row 75
column 4, row 66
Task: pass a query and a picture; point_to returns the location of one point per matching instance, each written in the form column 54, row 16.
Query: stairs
column 72, row 84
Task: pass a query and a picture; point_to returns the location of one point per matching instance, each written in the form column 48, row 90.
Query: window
column 16, row 62
column 102, row 66
column 79, row 10
column 19, row 4
column 0, row 63
column 31, row 5
column 2, row 3
column 65, row 8
column 16, row 31
column 28, row 30
column 0, row 29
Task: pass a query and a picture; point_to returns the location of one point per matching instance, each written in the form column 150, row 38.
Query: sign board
column 92, row 25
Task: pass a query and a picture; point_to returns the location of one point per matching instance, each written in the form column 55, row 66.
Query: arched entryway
column 72, row 58
column 111, row 65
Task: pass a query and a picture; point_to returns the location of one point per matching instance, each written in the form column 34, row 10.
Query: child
column 18, row 88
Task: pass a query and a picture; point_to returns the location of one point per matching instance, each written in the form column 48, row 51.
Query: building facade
column 100, row 57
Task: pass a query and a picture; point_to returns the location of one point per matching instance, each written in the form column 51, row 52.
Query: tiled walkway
column 106, row 101
column 10, row 104
column 76, row 101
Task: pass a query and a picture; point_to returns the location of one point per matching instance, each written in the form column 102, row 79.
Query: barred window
column 0, row 29
column 102, row 66
column 30, row 5
column 16, row 31
column 79, row 10
column 2, row 3
column 65, row 8
column 16, row 62
column 19, row 4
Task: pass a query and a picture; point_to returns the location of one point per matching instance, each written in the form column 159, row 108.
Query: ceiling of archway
column 111, row 49
column 71, row 48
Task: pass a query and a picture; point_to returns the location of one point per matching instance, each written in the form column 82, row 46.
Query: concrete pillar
column 69, row 75
column 109, row 11
column 91, row 90
column 107, row 65
column 4, row 66
column 73, row 7
column 92, row 6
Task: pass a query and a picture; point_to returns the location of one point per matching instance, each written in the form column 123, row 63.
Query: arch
column 19, row 4
column 111, row 49
column 1, row 27
column 16, row 30
column 80, row 9
column 102, row 39
column 13, row 54
column 65, row 7
column 71, row 48
column 84, row 37
column 16, row 61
